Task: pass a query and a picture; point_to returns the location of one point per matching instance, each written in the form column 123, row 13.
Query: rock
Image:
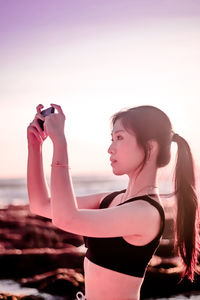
column 57, row 282
column 163, row 279
column 48, row 258
column 19, row 229
column 31, row 297
column 32, row 245
column 28, row 262
column 13, row 297
column 8, row 297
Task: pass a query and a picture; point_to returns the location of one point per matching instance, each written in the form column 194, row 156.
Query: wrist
column 60, row 141
column 32, row 147
column 58, row 164
column 60, row 151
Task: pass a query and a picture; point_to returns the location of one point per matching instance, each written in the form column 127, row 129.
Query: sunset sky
column 95, row 57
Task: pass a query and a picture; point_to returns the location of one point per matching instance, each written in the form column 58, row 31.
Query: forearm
column 36, row 183
column 63, row 200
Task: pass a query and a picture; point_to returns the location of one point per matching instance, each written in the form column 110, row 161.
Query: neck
column 144, row 183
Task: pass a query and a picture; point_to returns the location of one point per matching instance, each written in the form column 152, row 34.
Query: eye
column 118, row 137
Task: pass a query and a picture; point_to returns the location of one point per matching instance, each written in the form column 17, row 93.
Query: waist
column 109, row 283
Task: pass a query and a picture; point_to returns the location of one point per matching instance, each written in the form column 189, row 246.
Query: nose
column 110, row 149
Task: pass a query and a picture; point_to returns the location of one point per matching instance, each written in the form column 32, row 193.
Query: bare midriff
column 102, row 283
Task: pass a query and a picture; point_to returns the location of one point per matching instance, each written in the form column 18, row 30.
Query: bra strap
column 108, row 199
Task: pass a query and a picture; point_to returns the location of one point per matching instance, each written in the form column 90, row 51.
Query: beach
column 38, row 259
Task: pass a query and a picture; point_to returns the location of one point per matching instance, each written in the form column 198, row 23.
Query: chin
column 118, row 172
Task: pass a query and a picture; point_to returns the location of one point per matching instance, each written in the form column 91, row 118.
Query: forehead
column 118, row 126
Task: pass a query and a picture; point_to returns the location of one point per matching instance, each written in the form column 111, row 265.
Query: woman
column 122, row 229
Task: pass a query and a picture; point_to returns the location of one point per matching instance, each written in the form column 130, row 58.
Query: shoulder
column 148, row 210
column 149, row 217
column 152, row 206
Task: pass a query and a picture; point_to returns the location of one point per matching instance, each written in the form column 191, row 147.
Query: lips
column 113, row 160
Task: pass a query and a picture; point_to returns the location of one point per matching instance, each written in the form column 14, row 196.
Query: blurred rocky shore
column 36, row 254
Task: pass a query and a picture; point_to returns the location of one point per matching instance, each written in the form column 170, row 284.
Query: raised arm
column 38, row 191
column 127, row 219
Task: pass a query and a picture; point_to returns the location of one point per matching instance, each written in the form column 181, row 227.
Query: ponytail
column 187, row 221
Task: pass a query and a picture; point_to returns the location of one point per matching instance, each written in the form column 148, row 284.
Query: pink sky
column 22, row 19
column 94, row 58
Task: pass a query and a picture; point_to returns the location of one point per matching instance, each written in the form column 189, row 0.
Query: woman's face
column 125, row 154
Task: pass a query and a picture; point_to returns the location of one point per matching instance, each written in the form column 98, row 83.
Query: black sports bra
column 118, row 255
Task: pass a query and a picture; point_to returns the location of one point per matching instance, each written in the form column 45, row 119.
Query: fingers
column 39, row 108
column 58, row 108
column 36, row 125
column 34, row 131
column 39, row 116
column 35, row 128
column 45, row 130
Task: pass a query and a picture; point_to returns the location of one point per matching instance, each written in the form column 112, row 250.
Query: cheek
column 135, row 154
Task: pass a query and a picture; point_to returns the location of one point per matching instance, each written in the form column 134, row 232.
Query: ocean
column 14, row 191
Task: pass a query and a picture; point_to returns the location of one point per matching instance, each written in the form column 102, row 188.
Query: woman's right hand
column 35, row 134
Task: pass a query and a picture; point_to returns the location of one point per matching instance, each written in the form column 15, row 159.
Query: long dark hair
column 151, row 123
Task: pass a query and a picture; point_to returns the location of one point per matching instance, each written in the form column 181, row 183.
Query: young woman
column 122, row 229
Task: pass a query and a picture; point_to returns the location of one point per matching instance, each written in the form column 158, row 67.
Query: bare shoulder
column 146, row 214
column 148, row 208
column 91, row 201
column 151, row 215
column 148, row 220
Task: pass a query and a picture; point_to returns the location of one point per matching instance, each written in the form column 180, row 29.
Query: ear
column 153, row 149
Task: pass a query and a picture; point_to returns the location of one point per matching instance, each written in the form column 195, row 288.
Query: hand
column 35, row 134
column 54, row 124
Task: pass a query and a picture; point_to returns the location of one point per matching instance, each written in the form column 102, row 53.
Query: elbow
column 59, row 224
column 39, row 212
column 55, row 222
column 62, row 223
column 33, row 210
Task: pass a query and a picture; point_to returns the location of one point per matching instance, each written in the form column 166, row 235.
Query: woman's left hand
column 54, row 124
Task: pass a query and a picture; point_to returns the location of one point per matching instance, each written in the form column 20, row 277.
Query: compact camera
column 45, row 113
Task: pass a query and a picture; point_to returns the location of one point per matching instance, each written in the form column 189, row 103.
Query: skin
column 77, row 214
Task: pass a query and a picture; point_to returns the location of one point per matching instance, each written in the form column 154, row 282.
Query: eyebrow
column 114, row 132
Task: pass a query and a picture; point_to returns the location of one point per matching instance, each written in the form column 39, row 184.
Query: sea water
column 12, row 287
column 14, row 190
